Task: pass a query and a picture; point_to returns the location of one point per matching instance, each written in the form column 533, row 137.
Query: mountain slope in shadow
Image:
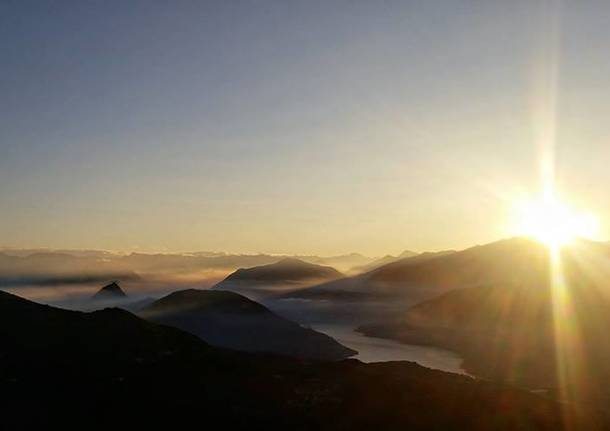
column 527, row 332
column 227, row 319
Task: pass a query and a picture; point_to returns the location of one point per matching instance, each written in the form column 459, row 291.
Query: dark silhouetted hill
column 109, row 292
column 227, row 319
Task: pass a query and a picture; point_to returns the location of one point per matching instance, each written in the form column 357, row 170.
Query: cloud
column 64, row 279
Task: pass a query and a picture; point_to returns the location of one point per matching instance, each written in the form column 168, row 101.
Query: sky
column 295, row 127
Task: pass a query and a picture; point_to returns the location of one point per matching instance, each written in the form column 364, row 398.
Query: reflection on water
column 373, row 349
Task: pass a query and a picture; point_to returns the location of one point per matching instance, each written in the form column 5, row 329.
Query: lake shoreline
column 374, row 349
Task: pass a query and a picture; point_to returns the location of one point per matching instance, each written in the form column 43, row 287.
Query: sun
column 553, row 223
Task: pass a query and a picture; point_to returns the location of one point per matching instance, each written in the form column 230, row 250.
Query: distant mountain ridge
column 63, row 267
column 382, row 261
column 287, row 273
column 512, row 261
column 374, row 284
column 284, row 271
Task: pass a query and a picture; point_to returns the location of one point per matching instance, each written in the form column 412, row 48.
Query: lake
column 371, row 349
column 339, row 319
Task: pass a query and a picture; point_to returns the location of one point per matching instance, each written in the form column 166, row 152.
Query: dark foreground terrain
column 112, row 370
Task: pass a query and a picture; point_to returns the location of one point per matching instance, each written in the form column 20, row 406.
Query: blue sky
column 305, row 127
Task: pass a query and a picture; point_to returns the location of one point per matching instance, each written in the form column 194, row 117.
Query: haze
column 317, row 127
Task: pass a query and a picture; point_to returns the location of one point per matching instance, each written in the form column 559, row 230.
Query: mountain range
column 148, row 273
column 427, row 275
column 513, row 309
column 495, row 305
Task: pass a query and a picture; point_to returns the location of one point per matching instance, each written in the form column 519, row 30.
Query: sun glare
column 554, row 223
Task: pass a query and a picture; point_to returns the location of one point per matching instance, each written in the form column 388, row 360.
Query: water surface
column 372, row 349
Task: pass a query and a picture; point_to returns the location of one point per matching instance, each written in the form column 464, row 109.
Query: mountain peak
column 110, row 291
column 407, row 253
column 292, row 261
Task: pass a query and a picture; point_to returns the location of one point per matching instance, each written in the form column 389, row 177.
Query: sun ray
column 553, row 222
